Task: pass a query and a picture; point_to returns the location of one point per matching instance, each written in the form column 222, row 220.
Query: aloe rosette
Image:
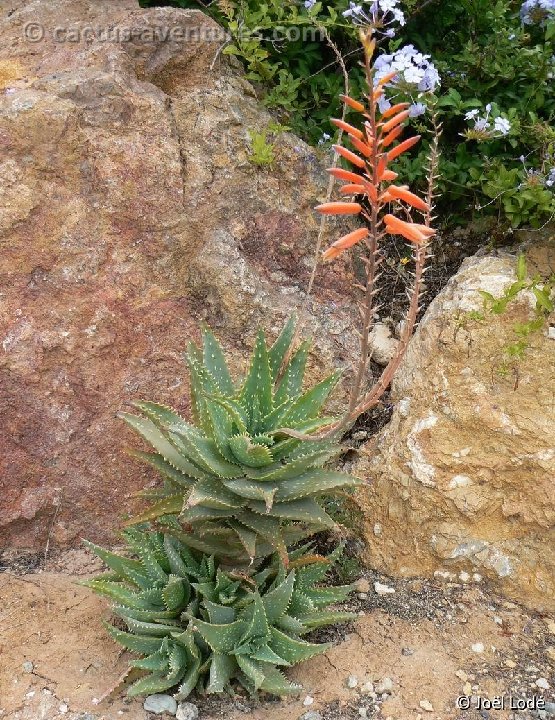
column 242, row 485
column 196, row 626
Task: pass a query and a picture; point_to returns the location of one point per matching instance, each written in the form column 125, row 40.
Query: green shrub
column 485, row 56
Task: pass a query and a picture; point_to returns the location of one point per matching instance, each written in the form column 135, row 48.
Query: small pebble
column 28, row 666
column 186, row 711
column 551, row 627
column 363, row 712
column 462, row 675
column 426, row 705
column 478, row 647
column 385, row 685
column 407, row 651
column 362, row 595
column 308, row 701
column 464, row 577
column 63, row 708
column 159, row 703
column 467, row 689
column 362, row 585
column 352, row 681
column 542, row 683
column 383, row 589
column 510, row 663
column 311, row 715
column 367, row 688
column 497, row 620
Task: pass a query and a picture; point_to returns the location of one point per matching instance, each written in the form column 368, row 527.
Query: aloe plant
column 198, row 627
column 242, row 485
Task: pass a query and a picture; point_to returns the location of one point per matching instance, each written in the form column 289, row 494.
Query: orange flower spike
column 401, row 193
column 402, row 147
column 376, row 95
column 388, row 78
column 353, row 190
column 389, row 175
column 350, row 156
column 339, row 208
column 394, row 110
column 361, row 146
column 399, row 118
column 349, row 129
column 392, row 136
column 354, row 104
column 341, row 174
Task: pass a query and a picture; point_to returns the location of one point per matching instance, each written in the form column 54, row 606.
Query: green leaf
column 219, row 614
column 167, row 506
column 137, row 643
column 175, row 593
column 249, row 453
column 131, row 570
column 292, row 380
column 276, row 683
column 295, row 651
column 310, row 404
column 212, row 494
column 215, row 363
column 314, row 482
column 521, row 267
column 247, row 538
column 150, row 684
column 281, row 346
column 222, row 669
column 204, row 453
column 163, row 466
column 152, row 434
column 252, row 669
column 222, row 638
column 320, row 619
column 257, row 388
column 115, row 591
column 306, row 510
column 277, row 600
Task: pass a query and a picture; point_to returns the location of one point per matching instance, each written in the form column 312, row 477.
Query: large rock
column 129, row 211
column 463, row 478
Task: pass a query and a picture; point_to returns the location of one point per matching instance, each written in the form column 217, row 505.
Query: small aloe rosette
column 196, row 626
column 241, row 483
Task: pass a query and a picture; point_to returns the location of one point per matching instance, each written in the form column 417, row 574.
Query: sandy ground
column 427, row 643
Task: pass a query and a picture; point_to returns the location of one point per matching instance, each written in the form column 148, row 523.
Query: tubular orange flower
column 403, row 193
column 331, row 253
column 353, row 190
column 402, row 147
column 350, row 156
column 349, row 129
column 394, row 110
column 411, row 231
column 359, row 107
column 389, row 175
column 382, row 165
column 399, row 118
column 393, row 135
column 341, row 174
column 345, row 242
column 361, row 146
column 339, row 208
column 387, row 78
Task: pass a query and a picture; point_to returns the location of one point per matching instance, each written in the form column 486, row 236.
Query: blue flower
column 502, row 125
column 309, row 4
column 537, row 12
column 417, row 109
